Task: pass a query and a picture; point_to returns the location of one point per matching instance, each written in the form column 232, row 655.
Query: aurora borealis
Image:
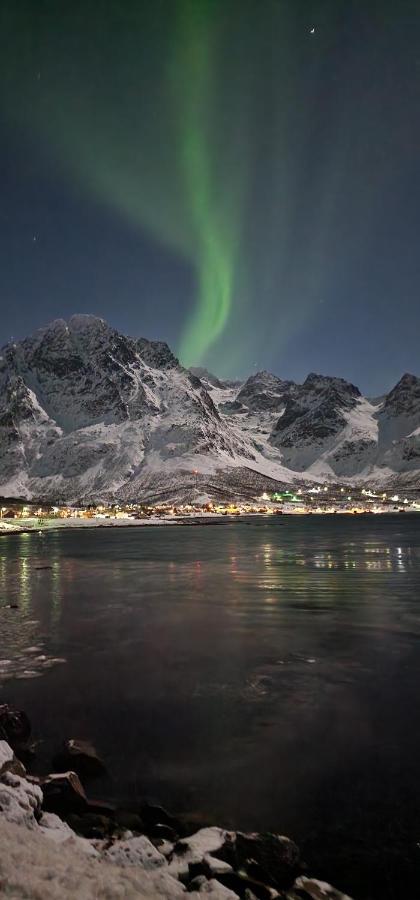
column 257, row 152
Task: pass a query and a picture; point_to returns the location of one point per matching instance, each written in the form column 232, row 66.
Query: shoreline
column 56, row 842
column 77, row 522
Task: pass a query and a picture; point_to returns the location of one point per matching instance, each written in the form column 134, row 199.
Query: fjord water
column 260, row 674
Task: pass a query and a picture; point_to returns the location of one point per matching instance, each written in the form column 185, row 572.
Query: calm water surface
column 261, row 674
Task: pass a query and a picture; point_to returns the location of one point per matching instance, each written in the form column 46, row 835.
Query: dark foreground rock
column 312, row 889
column 226, row 865
column 91, row 825
column 15, row 727
column 9, row 762
column 155, row 816
column 80, row 757
column 267, row 858
column 63, row 794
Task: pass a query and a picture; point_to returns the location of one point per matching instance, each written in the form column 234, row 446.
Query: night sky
column 240, row 178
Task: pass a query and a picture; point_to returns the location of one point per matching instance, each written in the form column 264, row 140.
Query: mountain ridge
column 87, row 412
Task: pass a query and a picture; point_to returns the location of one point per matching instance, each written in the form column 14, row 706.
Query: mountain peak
column 313, row 380
column 407, row 380
column 404, row 399
column 263, row 390
column 84, row 322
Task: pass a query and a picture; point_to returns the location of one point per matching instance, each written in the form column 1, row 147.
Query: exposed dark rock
column 165, row 832
column 81, row 757
column 315, row 411
column 404, row 399
column 267, row 858
column 131, row 821
column 181, row 848
column 198, row 869
column 90, row 825
column 197, row 883
column 63, row 794
column 312, row 889
column 156, row 815
column 244, row 886
column 15, row 727
column 101, row 808
column 264, row 391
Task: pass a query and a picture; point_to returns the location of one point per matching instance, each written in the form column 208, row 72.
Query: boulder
column 216, row 866
column 60, row 832
column 209, row 866
column 137, row 851
column 15, row 727
column 101, row 808
column 164, row 832
column 63, row 793
column 153, row 815
column 80, row 757
column 247, row 887
column 90, row 825
column 217, row 891
column 311, row 889
column 206, row 840
column 20, row 800
column 197, row 883
column 9, row 762
column 128, row 820
column 270, row 859
column 191, row 851
column 164, row 847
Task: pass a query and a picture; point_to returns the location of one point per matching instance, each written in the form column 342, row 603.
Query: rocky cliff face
column 316, row 414
column 86, row 412
column 265, row 391
column 83, row 409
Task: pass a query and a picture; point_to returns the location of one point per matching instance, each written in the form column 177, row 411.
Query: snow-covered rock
column 206, row 840
column 217, row 891
column 20, row 800
column 58, row 831
column 265, row 391
column 216, row 866
column 41, row 856
column 311, row 889
column 32, row 866
column 136, row 851
column 86, row 412
column 6, row 756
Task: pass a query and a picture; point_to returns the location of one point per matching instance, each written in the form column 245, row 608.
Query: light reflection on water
column 259, row 673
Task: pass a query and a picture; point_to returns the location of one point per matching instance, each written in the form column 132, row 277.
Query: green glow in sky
column 182, row 117
column 193, row 76
column 142, row 132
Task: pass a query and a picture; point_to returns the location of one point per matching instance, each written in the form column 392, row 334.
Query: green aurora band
column 182, row 117
column 160, row 170
column 215, row 243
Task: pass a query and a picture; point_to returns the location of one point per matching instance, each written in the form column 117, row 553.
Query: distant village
column 313, row 500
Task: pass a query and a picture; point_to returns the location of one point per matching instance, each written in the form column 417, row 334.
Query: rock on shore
column 41, row 857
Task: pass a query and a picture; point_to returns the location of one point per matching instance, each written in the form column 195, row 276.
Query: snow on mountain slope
column 399, row 431
column 86, row 412
column 325, row 430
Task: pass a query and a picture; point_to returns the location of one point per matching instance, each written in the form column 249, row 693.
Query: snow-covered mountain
column 86, row 412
